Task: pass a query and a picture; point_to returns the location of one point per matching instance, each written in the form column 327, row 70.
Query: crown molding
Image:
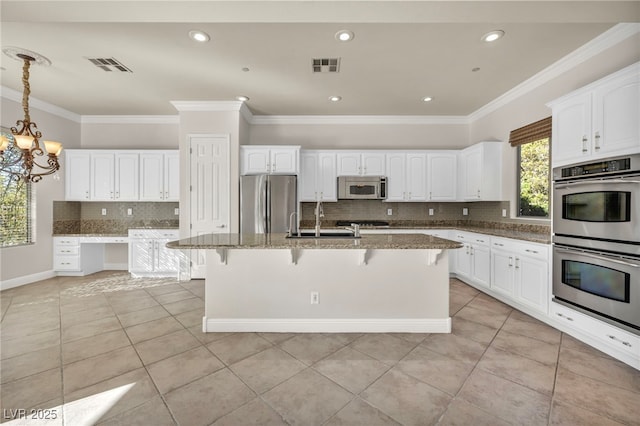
column 14, row 95
column 207, row 105
column 130, row 119
column 358, row 119
column 604, row 41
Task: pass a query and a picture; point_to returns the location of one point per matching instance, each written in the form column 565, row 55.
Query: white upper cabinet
column 599, row 120
column 159, row 176
column 441, row 176
column 77, row 175
column 480, row 172
column 114, row 176
column 318, row 178
column 406, row 176
column 361, row 164
column 122, row 175
column 270, row 160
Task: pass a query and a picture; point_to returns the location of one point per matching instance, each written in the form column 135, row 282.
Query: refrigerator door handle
column 267, row 206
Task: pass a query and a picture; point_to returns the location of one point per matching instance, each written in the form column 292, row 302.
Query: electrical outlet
column 389, row 212
column 430, row 212
column 104, row 212
column 465, row 211
column 176, row 211
column 504, row 212
column 315, row 298
column 129, row 212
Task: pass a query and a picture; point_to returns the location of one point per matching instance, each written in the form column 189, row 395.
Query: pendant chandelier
column 28, row 164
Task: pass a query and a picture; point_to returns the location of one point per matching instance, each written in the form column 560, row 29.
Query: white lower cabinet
column 520, row 271
column 606, row 337
column 148, row 254
column 473, row 259
column 72, row 257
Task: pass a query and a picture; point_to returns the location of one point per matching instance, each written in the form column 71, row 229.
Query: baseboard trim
column 26, row 279
column 321, row 325
column 116, row 266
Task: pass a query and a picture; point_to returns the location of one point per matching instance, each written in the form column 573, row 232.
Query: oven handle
column 607, row 259
column 591, row 182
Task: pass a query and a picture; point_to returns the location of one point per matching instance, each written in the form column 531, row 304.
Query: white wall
column 362, row 136
column 130, row 135
column 37, row 259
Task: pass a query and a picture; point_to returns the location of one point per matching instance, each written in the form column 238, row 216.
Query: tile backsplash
column 406, row 213
column 75, row 217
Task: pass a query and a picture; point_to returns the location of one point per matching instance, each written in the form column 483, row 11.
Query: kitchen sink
column 323, row 234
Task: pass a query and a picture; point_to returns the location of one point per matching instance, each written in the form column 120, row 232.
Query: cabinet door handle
column 498, row 244
column 221, row 226
column 510, row 261
column 430, row 197
column 273, row 167
column 480, row 241
column 597, row 142
column 619, row 340
column 564, row 316
column 478, row 193
column 584, row 143
column 517, row 263
column 532, row 251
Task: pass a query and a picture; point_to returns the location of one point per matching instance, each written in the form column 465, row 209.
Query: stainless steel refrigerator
column 267, row 203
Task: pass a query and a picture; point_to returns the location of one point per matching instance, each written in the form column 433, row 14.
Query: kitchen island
column 376, row 283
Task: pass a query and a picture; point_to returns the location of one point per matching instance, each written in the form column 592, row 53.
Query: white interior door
column 209, row 180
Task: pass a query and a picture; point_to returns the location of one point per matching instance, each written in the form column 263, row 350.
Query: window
column 533, row 143
column 15, row 202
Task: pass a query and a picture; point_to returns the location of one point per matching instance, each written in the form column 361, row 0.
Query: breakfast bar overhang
column 376, row 283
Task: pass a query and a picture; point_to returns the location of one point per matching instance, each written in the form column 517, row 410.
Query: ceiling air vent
column 109, row 64
column 325, row 65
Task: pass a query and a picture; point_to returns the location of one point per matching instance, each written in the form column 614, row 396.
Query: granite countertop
column 279, row 241
column 535, row 237
column 526, row 232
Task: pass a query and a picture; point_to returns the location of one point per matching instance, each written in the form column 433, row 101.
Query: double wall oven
column 596, row 242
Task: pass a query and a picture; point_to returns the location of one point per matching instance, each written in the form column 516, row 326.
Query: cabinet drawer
column 607, row 333
column 66, row 250
column 66, row 263
column 66, row 241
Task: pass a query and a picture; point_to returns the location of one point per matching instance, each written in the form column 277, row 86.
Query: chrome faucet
column 355, row 228
column 319, row 213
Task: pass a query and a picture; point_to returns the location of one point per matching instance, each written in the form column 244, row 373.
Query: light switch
column 104, row 212
column 504, row 212
column 430, row 212
column 389, row 212
column 465, row 211
column 129, row 212
column 176, row 211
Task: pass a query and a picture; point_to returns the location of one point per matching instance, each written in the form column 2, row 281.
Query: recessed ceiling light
column 242, row 98
column 492, row 36
column 344, row 35
column 245, row 69
column 476, row 69
column 335, row 98
column 427, row 99
column 199, row 36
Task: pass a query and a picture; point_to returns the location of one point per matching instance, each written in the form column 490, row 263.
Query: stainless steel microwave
column 362, row 187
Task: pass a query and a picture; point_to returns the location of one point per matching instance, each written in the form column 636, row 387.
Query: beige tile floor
column 113, row 350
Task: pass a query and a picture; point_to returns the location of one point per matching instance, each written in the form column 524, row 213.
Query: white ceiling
column 402, row 51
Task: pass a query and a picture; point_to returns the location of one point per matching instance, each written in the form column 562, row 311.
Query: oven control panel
column 622, row 165
column 610, row 166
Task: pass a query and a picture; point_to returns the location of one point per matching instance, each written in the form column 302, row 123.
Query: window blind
column 531, row 132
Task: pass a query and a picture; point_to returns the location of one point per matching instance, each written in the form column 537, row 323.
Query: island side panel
column 264, row 290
